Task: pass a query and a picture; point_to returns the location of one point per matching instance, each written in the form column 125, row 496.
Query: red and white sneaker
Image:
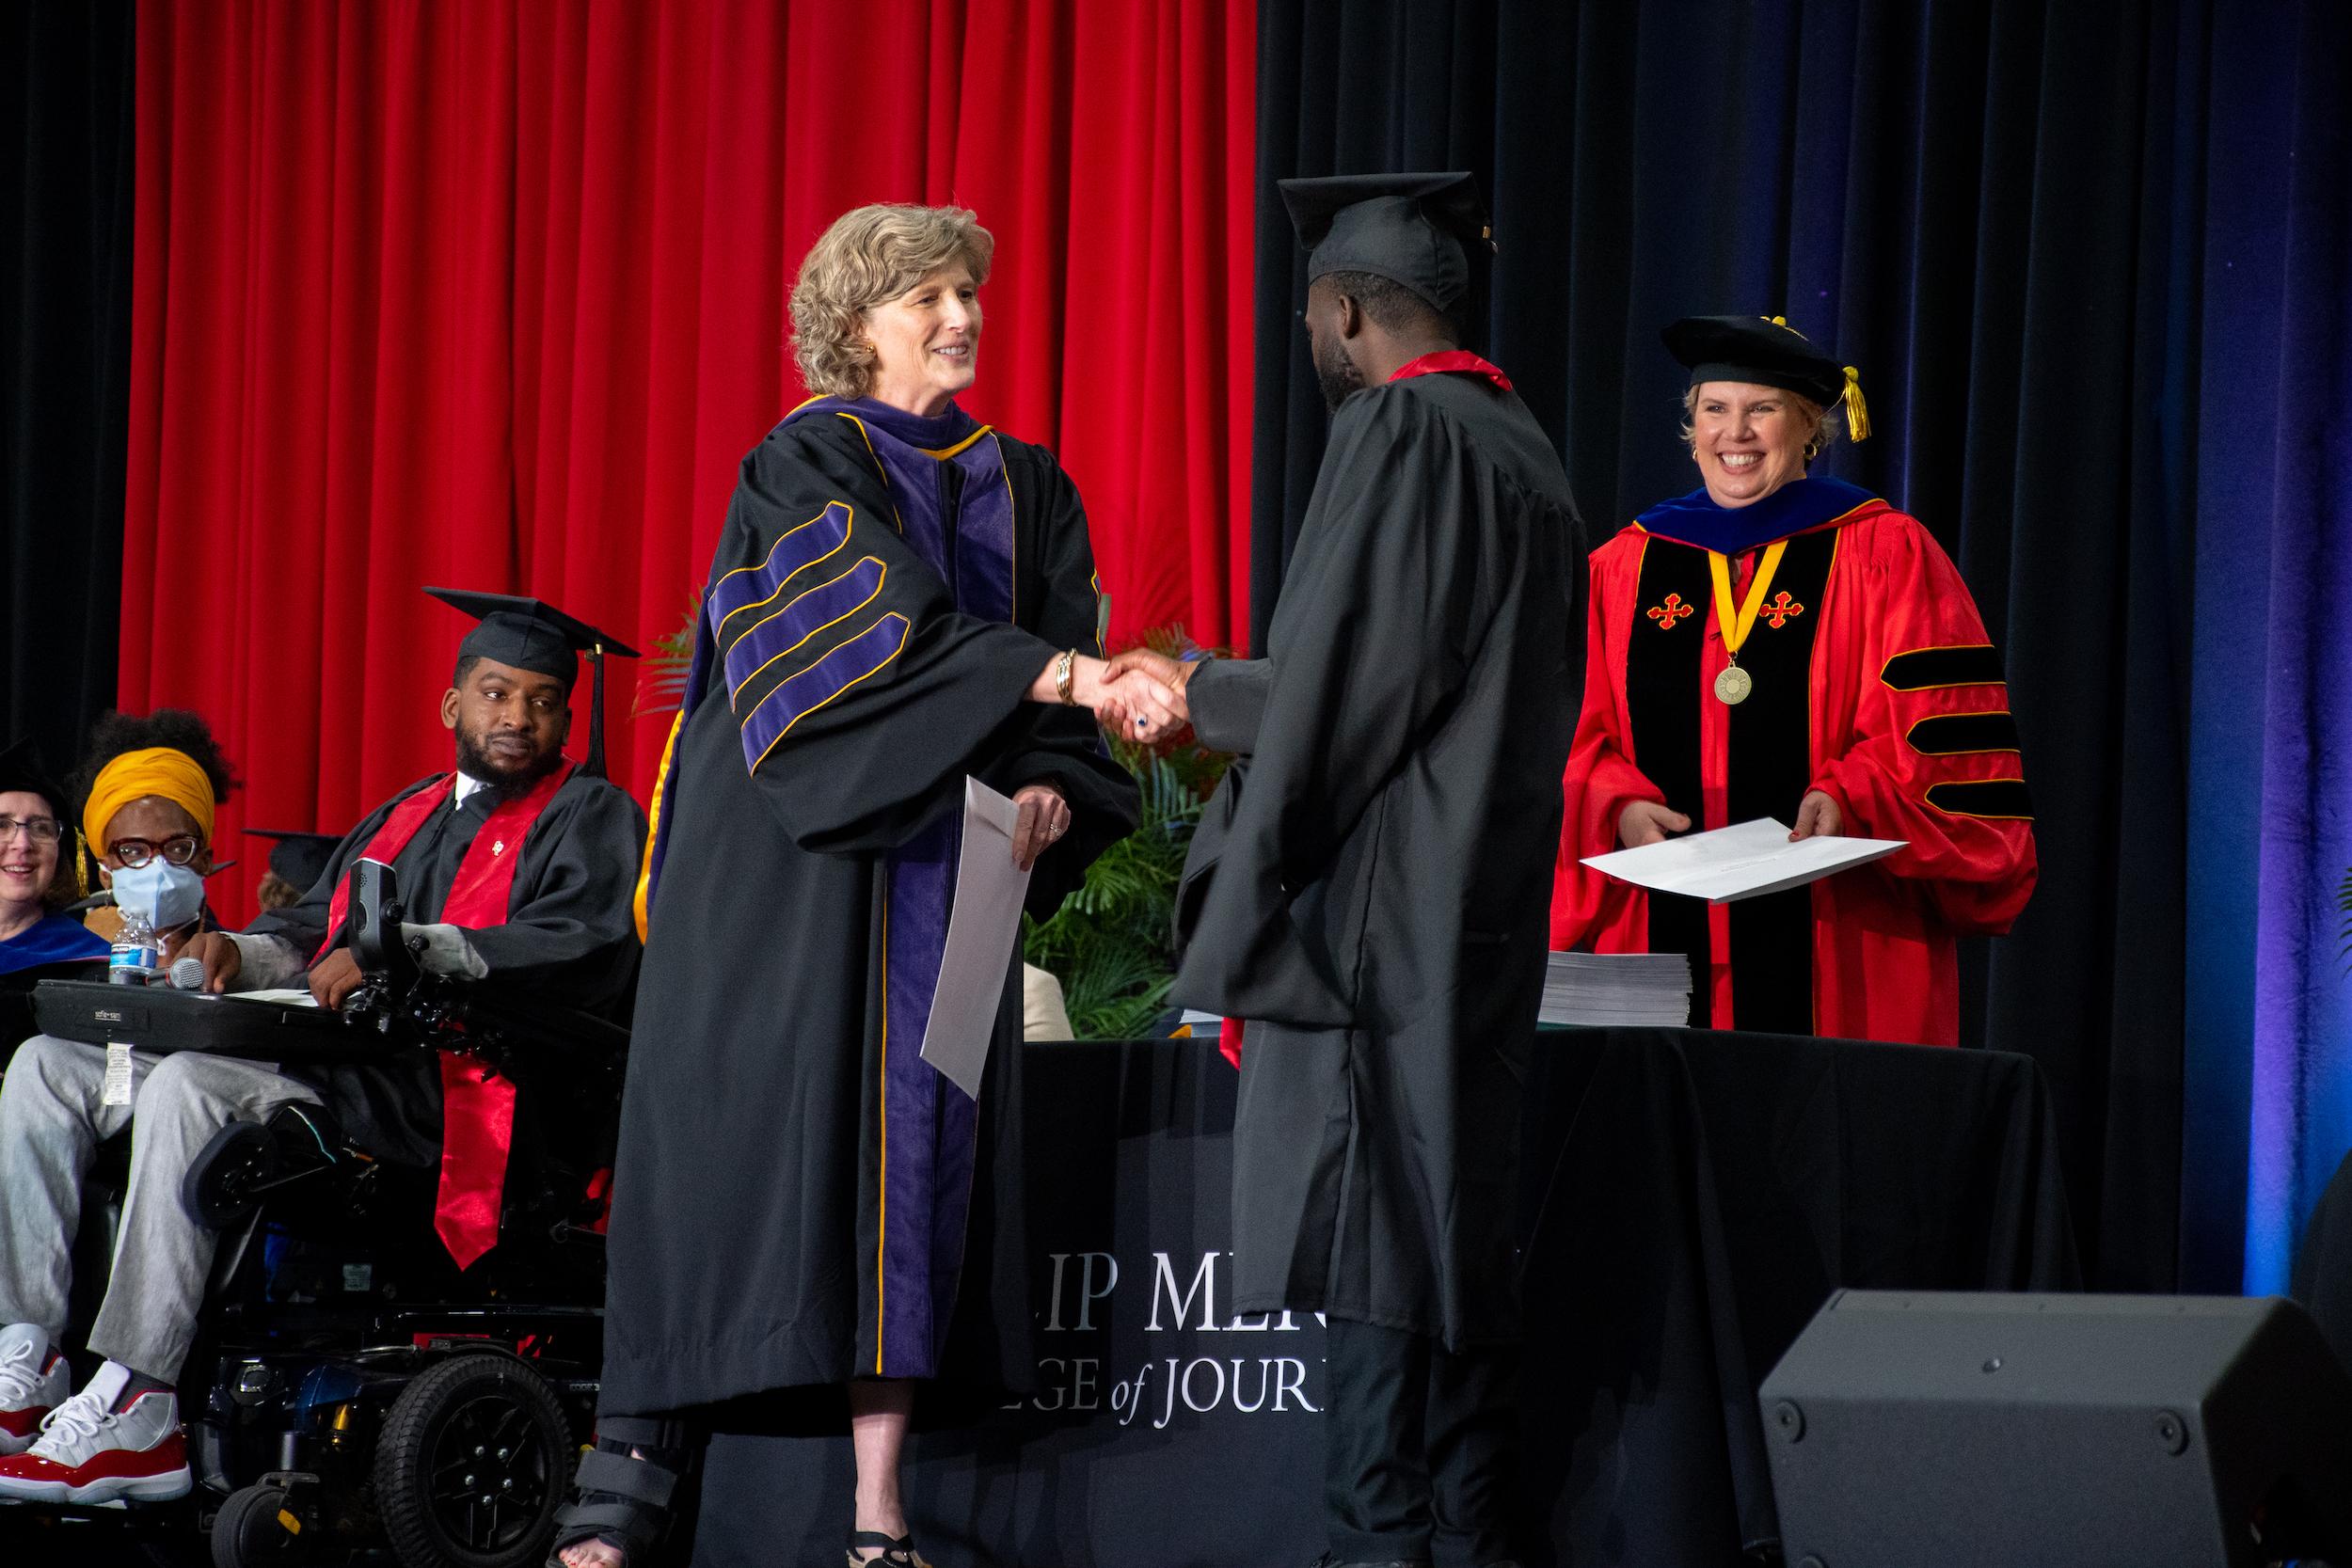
column 90, row 1451
column 34, row 1380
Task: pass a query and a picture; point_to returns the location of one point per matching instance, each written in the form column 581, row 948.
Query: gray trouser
column 51, row 1121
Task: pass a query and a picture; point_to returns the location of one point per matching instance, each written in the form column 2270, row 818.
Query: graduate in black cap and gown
column 1367, row 888
column 1784, row 644
column 516, row 868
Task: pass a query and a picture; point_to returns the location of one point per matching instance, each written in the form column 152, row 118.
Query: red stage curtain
column 493, row 294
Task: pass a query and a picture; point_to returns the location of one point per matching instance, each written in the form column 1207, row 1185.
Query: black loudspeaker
column 1933, row 1430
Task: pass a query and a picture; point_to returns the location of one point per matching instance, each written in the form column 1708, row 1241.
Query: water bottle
column 137, row 953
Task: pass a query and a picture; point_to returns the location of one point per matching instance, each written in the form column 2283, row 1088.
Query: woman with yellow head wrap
column 152, row 790
column 157, row 774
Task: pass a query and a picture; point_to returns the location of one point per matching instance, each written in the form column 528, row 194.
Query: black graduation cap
column 1410, row 228
column 532, row 634
column 1766, row 351
column 20, row 769
column 300, row 858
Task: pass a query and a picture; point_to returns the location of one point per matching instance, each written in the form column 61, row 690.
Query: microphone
column 187, row 973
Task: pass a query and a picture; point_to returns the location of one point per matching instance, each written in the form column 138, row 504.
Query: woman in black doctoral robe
column 902, row 597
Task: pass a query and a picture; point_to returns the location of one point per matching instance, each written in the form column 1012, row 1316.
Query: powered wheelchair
column 351, row 1393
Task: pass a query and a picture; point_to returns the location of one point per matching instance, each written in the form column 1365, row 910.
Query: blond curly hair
column 872, row 255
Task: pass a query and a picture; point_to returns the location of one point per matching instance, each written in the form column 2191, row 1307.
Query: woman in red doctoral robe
column 1779, row 645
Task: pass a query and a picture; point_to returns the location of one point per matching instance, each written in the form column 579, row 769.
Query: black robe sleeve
column 860, row 731
column 1361, row 664
column 571, row 937
column 1226, row 697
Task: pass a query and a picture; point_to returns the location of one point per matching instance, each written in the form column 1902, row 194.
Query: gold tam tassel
column 1857, row 411
column 81, row 865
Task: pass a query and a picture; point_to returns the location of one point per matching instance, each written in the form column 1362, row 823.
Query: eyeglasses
column 41, row 830
column 136, row 852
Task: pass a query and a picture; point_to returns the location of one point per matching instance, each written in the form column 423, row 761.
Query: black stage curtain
column 1994, row 212
column 65, row 360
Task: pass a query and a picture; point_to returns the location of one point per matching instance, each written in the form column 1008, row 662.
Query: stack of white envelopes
column 1642, row 989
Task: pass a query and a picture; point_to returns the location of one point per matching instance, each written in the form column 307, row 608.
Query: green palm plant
column 1112, row 944
column 662, row 674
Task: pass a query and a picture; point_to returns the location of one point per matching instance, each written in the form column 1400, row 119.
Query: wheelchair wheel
column 249, row 1531
column 470, row 1466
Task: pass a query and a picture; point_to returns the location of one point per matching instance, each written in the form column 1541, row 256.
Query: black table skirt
column 1689, row 1199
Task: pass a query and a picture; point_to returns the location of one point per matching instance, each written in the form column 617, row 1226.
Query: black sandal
column 623, row 1500
column 890, row 1551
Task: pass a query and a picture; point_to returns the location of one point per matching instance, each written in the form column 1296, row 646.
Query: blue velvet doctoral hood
column 56, row 939
column 1803, row 503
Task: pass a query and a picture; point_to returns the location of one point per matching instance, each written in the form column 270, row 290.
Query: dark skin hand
column 221, row 958
column 334, row 977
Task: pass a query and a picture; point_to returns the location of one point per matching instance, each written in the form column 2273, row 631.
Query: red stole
column 477, row 1105
column 1457, row 362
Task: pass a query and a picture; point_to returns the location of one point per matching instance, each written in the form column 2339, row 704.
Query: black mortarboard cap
column 1761, row 350
column 20, row 769
column 1417, row 229
column 300, row 858
column 532, row 634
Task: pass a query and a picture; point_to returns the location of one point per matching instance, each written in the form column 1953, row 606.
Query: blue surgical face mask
column 166, row 894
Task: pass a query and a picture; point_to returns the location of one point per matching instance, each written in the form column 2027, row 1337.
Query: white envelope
column 1739, row 861
column 981, row 929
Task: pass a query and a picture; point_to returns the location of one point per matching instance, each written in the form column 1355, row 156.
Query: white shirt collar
column 467, row 784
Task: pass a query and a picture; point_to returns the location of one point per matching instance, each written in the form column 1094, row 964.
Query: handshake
column 1138, row 695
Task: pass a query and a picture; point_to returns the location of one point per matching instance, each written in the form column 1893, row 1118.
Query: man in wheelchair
column 516, row 871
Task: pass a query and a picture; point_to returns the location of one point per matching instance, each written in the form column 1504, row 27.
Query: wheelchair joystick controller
column 388, row 967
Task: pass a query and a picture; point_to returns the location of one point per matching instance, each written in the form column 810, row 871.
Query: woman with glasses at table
column 151, row 786
column 35, row 880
